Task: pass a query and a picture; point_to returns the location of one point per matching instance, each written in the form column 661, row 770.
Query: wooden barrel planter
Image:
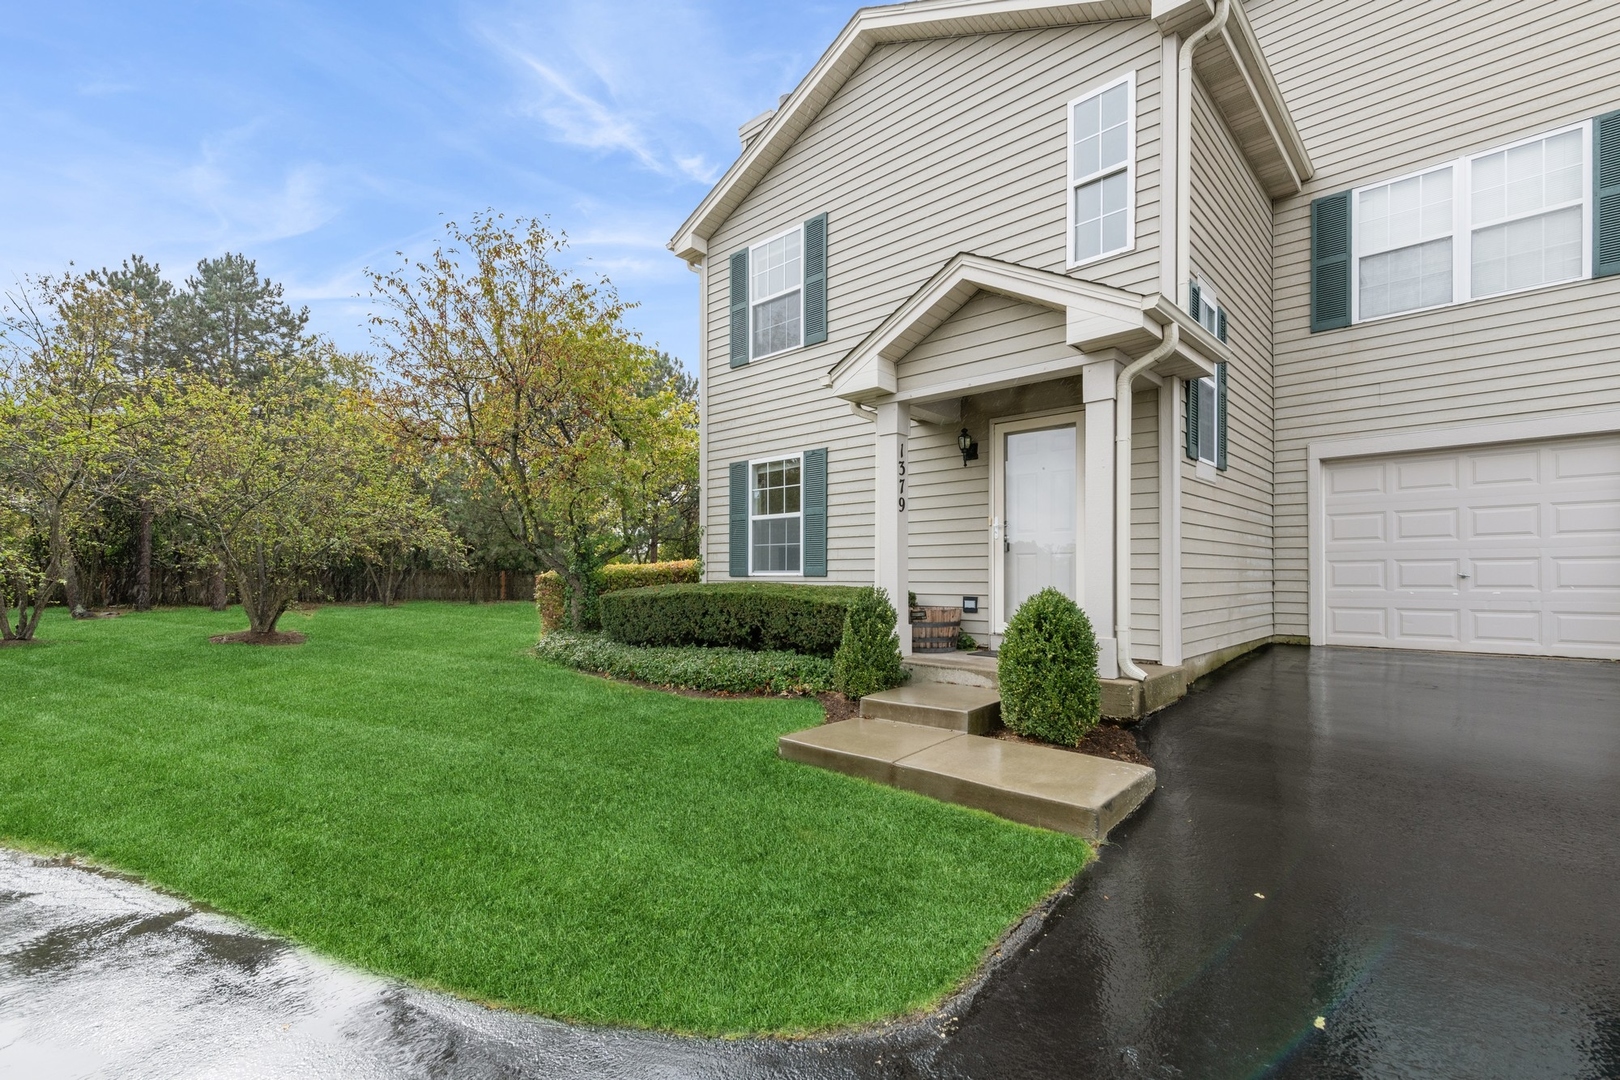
column 937, row 630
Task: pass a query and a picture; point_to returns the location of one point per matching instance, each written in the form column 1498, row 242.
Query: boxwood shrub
column 806, row 619
column 1047, row 668
column 868, row 656
column 736, row 671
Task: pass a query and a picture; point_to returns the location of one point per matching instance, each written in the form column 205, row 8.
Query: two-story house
column 1236, row 322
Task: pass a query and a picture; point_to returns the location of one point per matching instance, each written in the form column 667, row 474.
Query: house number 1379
column 902, row 477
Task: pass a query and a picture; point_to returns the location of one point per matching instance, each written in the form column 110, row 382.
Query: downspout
column 1122, row 497
column 1184, row 146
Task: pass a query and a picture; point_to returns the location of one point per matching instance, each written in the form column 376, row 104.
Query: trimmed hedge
column 807, row 619
column 1047, row 668
column 868, row 657
column 736, row 671
column 552, row 600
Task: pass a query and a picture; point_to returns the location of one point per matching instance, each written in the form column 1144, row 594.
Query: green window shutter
column 1330, row 262
column 1220, row 324
column 1192, row 418
column 1606, row 192
column 1194, row 298
column 739, row 308
column 814, row 504
column 1220, row 416
column 739, row 519
column 815, row 280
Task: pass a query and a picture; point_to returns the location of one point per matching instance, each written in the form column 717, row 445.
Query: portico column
column 1097, row 550
column 892, row 542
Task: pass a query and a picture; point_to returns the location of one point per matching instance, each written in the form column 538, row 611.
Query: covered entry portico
column 1057, row 334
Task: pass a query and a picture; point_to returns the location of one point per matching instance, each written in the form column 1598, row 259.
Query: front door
column 1037, row 519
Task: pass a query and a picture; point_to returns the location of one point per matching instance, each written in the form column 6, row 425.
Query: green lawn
column 412, row 792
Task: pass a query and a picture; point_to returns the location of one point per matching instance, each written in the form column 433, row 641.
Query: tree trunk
column 218, row 598
column 70, row 586
column 143, row 560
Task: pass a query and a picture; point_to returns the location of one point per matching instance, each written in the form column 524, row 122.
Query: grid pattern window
column 1208, row 417
column 1528, row 214
column 1403, row 241
column 1498, row 222
column 1101, row 152
column 1209, row 307
column 776, row 293
column 776, row 522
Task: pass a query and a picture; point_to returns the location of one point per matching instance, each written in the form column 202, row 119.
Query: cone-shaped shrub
column 1047, row 668
column 868, row 656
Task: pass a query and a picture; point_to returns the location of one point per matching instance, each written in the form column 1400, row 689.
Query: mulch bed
column 1108, row 739
column 248, row 637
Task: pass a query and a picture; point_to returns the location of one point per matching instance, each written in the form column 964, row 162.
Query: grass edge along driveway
column 411, row 792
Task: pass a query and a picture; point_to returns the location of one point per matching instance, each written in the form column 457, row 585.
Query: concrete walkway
column 1422, row 851
column 1037, row 785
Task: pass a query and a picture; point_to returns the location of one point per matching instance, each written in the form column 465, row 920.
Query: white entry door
column 1037, row 526
column 1507, row 549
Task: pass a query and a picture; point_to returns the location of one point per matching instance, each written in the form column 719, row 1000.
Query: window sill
column 1206, row 472
column 1104, row 257
column 1458, row 305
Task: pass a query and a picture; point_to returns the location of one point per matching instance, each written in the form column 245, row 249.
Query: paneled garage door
column 1509, row 549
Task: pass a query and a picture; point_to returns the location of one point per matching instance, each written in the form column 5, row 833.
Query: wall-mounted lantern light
column 969, row 448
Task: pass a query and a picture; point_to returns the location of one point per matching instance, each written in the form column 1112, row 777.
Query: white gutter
column 1184, row 147
column 1122, row 497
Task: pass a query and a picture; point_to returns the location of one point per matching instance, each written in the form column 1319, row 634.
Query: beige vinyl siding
column 948, row 506
column 1381, row 89
column 1227, row 523
column 988, row 330
column 1145, row 525
column 930, row 148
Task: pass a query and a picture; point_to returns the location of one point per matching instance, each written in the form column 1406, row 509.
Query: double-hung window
column 776, row 519
column 776, row 294
column 1528, row 214
column 1501, row 221
column 1404, row 243
column 1102, row 182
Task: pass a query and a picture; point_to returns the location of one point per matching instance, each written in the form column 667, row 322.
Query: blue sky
column 320, row 138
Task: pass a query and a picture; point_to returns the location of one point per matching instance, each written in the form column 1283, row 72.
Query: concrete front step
column 955, row 669
column 973, row 709
column 1122, row 699
column 1037, row 785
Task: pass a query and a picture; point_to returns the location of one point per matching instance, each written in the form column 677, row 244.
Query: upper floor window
column 776, row 294
column 776, row 521
column 1204, row 304
column 1102, row 184
column 1497, row 222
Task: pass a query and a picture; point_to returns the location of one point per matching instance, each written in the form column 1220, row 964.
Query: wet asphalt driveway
column 1422, row 851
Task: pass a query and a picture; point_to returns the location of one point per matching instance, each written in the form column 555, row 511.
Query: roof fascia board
column 1182, row 17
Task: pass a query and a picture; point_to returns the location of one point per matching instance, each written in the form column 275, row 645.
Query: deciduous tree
column 525, row 376
column 287, row 478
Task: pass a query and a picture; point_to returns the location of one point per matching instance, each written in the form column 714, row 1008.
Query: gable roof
column 1096, row 318
column 1231, row 64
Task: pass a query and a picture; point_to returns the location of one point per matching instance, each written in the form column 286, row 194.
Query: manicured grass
column 413, row 792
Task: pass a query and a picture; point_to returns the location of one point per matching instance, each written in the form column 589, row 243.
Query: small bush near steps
column 868, row 656
column 690, row 667
column 1047, row 668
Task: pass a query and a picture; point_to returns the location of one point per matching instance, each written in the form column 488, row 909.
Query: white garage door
column 1506, row 549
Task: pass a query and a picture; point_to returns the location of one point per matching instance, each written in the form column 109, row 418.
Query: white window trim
column 1462, row 225
column 1073, row 182
column 753, row 300
column 784, row 455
